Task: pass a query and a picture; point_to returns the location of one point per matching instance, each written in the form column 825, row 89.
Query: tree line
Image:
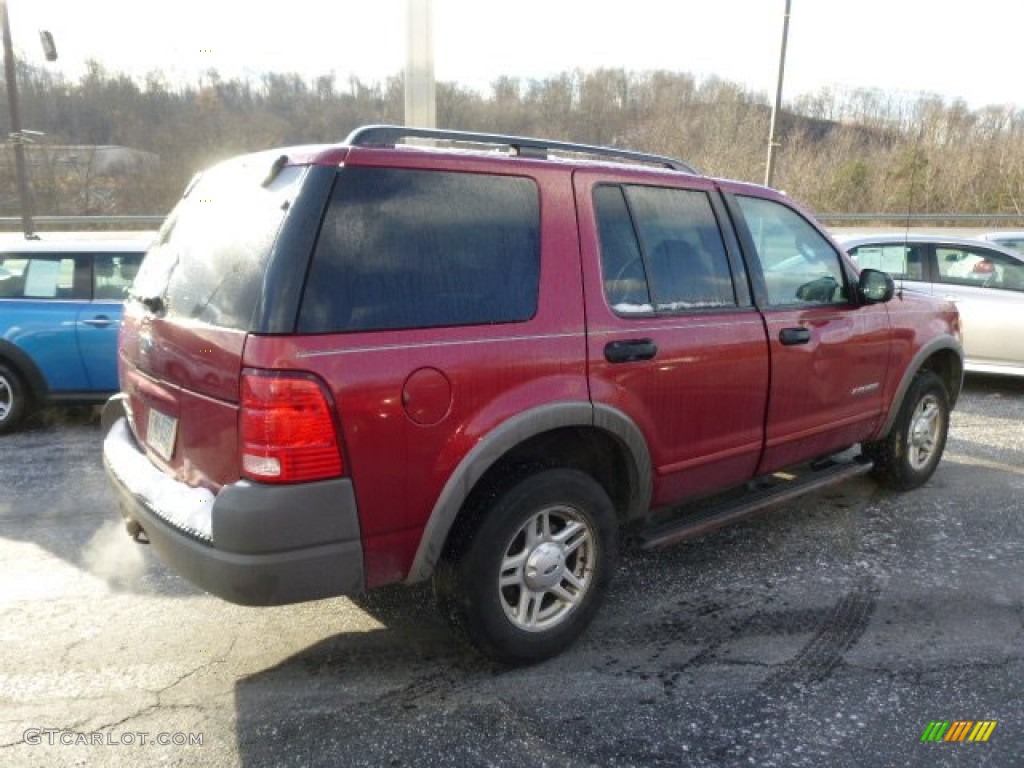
column 859, row 151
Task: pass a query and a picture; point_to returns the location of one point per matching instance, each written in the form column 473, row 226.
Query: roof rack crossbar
column 390, row 135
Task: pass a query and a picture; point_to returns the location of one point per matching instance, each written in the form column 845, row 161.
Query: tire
column 13, row 400
column 529, row 578
column 909, row 454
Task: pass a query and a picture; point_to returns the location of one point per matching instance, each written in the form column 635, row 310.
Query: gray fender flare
column 507, row 436
column 937, row 345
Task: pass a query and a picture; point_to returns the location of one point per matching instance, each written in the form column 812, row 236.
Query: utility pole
column 17, row 136
column 772, row 141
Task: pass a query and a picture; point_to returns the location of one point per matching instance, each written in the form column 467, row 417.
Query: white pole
column 420, row 108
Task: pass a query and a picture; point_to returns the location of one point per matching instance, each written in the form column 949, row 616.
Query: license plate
column 160, row 433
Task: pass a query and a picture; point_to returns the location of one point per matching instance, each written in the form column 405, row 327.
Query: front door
column 829, row 352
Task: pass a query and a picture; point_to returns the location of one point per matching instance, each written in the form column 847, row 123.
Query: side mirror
column 875, row 286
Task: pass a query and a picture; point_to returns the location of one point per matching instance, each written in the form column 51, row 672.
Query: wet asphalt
column 829, row 631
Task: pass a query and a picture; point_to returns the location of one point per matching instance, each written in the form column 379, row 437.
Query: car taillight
column 286, row 429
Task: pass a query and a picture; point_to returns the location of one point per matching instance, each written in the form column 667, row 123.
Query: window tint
column 625, row 278
column 799, row 265
column 661, row 250
column 979, row 267
column 113, row 273
column 44, row 276
column 210, row 256
column 416, row 249
column 902, row 261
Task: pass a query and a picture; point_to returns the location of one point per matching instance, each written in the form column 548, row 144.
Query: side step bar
column 779, row 490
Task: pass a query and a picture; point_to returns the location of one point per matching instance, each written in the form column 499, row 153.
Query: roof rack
column 391, row 135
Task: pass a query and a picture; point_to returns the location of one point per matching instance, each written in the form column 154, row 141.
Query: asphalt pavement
column 834, row 630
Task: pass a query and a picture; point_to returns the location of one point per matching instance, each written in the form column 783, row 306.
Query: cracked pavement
column 831, row 630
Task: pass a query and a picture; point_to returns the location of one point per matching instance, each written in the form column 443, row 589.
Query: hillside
column 851, row 152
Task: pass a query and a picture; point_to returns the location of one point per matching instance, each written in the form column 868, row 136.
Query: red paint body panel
column 701, row 401
column 830, row 393
column 189, row 372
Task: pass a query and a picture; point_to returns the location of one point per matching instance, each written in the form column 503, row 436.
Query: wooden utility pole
column 16, row 135
column 772, row 141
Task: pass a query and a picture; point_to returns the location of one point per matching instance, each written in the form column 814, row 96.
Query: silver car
column 984, row 279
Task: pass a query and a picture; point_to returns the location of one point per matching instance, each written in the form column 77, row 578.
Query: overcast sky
column 958, row 50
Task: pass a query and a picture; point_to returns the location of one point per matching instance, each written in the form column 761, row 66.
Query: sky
column 957, row 50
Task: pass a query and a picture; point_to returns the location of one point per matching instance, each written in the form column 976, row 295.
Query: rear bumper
column 251, row 544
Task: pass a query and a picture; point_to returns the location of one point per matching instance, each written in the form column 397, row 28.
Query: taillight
column 286, row 429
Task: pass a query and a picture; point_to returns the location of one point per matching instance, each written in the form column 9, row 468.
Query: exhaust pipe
column 136, row 531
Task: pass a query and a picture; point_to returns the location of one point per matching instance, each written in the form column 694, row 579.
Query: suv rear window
column 209, row 259
column 403, row 248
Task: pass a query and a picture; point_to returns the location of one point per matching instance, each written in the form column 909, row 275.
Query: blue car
column 60, row 311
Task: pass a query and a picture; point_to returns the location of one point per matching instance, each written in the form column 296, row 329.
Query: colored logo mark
column 958, row 730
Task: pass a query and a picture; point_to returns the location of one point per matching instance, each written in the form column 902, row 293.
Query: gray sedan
column 985, row 280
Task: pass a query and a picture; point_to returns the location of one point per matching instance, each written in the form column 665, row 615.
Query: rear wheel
column 13, row 400
column 909, row 454
column 530, row 577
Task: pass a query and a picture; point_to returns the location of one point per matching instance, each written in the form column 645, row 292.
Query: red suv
column 476, row 358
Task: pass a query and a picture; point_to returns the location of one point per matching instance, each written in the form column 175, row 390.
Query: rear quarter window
column 404, row 248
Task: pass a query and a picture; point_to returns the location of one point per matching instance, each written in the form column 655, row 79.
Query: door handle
column 100, row 321
column 630, row 351
column 792, row 336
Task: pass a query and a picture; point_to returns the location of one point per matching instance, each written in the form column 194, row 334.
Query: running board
column 781, row 488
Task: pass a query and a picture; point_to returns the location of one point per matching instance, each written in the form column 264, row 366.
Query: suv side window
column 44, row 276
column 403, row 248
column 800, row 266
column 661, row 250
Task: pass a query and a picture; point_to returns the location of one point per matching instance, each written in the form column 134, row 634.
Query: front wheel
column 909, row 454
column 531, row 576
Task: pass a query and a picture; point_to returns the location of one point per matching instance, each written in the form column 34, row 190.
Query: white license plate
column 161, row 432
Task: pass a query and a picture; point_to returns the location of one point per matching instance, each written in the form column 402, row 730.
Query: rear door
column 673, row 339
column 829, row 352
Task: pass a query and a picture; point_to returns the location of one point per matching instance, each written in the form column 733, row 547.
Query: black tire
column 14, row 400
column 909, row 454
column 521, row 597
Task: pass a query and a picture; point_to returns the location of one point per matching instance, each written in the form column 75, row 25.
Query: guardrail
column 949, row 219
column 995, row 220
column 52, row 223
